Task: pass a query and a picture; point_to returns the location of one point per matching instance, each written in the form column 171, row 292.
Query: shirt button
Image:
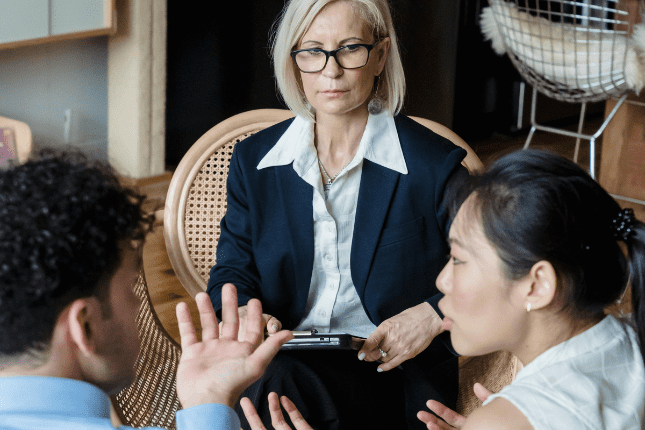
column 323, row 313
column 329, row 257
column 330, row 228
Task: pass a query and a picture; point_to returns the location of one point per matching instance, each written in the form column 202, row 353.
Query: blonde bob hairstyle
column 295, row 20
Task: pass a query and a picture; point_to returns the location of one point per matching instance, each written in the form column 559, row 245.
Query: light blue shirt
column 35, row 402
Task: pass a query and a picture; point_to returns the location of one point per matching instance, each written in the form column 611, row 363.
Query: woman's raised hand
column 402, row 337
column 271, row 324
column 277, row 419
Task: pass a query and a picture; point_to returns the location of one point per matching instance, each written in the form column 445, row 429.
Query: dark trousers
column 334, row 390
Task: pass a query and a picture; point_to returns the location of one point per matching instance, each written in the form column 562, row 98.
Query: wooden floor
column 166, row 291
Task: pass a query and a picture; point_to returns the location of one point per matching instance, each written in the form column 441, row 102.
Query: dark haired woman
column 537, row 254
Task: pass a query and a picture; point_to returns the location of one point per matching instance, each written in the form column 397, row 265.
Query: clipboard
column 312, row 340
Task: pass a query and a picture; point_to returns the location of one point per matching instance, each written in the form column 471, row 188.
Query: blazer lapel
column 376, row 190
column 297, row 196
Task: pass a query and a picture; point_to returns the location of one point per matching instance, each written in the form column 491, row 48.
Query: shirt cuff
column 209, row 416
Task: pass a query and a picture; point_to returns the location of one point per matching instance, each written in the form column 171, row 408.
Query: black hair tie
column 622, row 225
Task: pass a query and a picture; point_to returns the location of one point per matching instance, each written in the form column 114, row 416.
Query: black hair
column 534, row 206
column 63, row 221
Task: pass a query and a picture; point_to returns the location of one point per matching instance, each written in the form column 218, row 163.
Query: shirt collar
column 53, row 395
column 380, row 144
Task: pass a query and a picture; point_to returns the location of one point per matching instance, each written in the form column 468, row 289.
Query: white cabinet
column 29, row 22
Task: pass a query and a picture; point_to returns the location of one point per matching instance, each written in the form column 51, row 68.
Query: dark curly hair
column 63, row 220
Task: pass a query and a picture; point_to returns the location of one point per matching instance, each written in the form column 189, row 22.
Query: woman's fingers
column 294, row 414
column 432, row 422
column 370, row 350
column 481, row 392
column 251, row 414
column 277, row 419
column 446, row 414
column 273, row 325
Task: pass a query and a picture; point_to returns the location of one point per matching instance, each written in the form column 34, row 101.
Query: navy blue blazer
column 266, row 247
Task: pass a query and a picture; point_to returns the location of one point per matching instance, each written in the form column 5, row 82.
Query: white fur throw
column 573, row 56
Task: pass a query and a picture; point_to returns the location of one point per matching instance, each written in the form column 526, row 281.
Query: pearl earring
column 528, row 307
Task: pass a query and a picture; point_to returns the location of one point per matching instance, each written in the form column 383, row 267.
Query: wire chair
column 576, row 51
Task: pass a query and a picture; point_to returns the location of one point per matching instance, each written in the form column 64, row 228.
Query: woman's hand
column 402, row 337
column 271, row 324
column 277, row 419
column 451, row 419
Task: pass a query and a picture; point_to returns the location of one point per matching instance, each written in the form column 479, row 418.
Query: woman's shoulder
column 500, row 414
column 421, row 141
column 258, row 144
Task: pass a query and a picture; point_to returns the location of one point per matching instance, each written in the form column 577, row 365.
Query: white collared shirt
column 333, row 304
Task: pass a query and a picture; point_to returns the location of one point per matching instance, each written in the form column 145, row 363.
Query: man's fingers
column 230, row 317
column 447, row 414
column 251, row 414
column 263, row 355
column 294, row 414
column 254, row 329
column 210, row 326
column 481, row 392
column 187, row 332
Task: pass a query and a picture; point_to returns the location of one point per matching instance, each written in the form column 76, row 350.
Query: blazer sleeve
column 234, row 258
column 452, row 176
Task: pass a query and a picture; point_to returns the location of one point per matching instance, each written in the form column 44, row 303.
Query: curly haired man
column 71, row 237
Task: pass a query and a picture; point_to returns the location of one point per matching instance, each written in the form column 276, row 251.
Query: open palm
column 220, row 367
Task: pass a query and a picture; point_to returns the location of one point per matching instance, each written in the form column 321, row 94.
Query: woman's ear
column 383, row 51
column 542, row 287
column 83, row 320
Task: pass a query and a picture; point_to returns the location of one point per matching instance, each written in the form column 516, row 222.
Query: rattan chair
column 15, row 141
column 576, row 51
column 151, row 400
column 196, row 202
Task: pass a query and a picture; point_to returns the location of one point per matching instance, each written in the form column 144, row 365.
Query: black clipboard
column 312, row 340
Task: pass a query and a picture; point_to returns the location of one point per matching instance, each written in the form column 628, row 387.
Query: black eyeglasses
column 348, row 57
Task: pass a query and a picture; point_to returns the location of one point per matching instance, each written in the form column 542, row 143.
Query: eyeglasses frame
column 333, row 54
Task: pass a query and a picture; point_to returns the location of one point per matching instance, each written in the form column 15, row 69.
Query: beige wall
column 137, row 88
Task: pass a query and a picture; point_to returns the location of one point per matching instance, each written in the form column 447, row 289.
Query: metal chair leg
column 581, row 121
column 533, row 124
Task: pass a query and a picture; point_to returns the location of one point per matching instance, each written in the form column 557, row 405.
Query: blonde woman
column 336, row 223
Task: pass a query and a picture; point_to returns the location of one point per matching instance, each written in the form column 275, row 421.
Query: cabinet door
column 73, row 16
column 23, row 19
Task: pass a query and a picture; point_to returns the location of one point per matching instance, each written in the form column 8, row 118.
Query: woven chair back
column 151, row 400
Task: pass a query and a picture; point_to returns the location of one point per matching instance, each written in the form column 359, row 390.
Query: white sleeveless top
column 595, row 380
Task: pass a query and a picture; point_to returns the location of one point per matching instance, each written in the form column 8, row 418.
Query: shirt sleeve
column 209, row 416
